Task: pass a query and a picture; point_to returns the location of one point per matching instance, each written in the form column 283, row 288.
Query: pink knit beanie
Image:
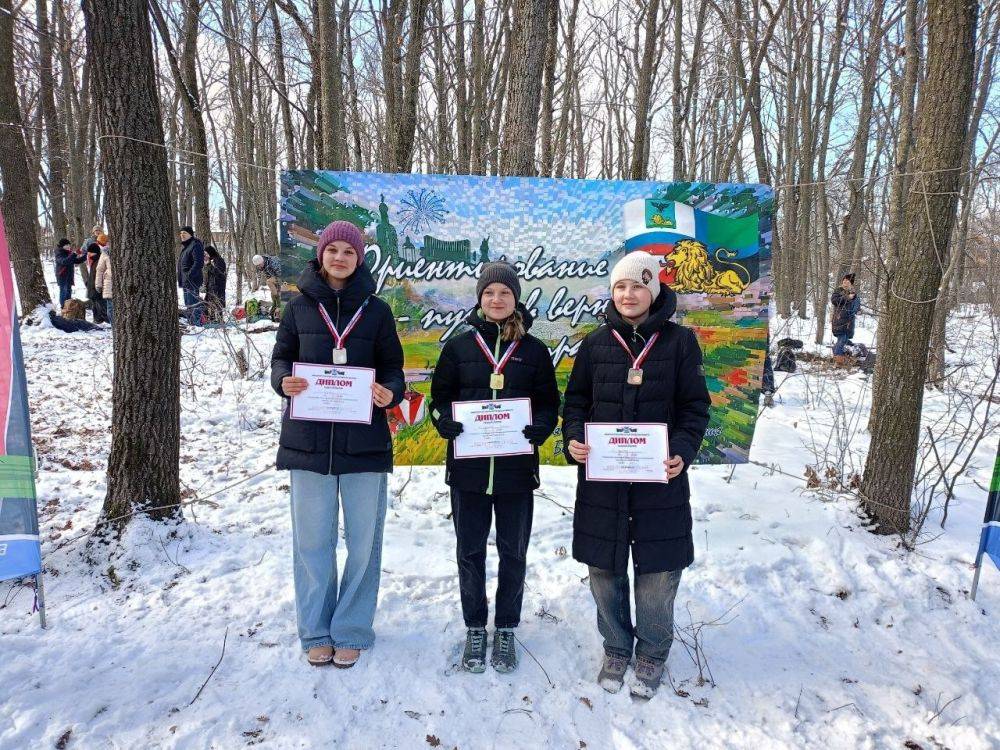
column 341, row 230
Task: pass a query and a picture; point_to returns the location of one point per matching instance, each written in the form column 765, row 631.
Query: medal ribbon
column 636, row 361
column 340, row 338
column 497, row 366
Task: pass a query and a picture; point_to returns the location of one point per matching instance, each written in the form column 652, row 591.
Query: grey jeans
column 653, row 632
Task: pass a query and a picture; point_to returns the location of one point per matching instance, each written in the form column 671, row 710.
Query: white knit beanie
column 641, row 267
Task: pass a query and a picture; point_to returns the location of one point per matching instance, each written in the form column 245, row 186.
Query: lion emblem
column 694, row 272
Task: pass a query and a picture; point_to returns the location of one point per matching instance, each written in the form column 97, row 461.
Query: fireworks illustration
column 419, row 210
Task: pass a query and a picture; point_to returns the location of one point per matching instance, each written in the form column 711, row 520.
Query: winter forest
column 830, row 599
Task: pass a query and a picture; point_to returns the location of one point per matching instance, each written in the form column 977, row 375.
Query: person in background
column 846, row 304
column 66, row 259
column 190, row 273
column 215, row 284
column 269, row 266
column 103, row 281
column 94, row 294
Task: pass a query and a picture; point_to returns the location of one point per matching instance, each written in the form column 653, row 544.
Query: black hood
column 359, row 287
column 488, row 328
column 662, row 310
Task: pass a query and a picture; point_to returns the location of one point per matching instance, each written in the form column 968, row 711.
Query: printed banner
column 429, row 234
column 20, row 553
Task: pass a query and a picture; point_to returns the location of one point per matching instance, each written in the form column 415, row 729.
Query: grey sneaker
column 474, row 656
column 648, row 674
column 612, row 672
column 504, row 657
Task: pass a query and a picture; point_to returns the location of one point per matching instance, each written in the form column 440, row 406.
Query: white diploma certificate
column 492, row 428
column 631, row 452
column 335, row 393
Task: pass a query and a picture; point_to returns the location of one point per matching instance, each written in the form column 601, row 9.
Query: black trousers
column 473, row 513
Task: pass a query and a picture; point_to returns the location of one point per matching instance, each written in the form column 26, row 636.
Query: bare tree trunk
column 462, row 113
column 477, row 164
column 17, row 203
column 644, row 92
column 145, row 421
column 677, row 123
column 528, row 42
column 851, row 249
column 331, row 103
column 549, row 89
column 55, row 147
column 564, row 133
column 279, row 65
column 941, row 123
column 442, row 139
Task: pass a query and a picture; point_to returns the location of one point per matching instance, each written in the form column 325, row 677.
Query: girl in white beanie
column 639, row 367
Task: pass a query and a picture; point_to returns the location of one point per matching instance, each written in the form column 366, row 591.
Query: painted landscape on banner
column 429, row 234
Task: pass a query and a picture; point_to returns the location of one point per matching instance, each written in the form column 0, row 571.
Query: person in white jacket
column 103, row 280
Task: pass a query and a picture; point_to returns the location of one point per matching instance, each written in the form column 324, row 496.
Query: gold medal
column 496, row 381
column 635, row 376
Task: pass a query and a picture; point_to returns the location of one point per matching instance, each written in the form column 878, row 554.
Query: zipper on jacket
column 330, row 470
column 496, row 356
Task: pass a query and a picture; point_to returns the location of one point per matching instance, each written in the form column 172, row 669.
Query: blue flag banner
column 20, row 551
column 989, row 542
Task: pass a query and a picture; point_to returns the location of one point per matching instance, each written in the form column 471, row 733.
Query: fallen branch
column 224, row 639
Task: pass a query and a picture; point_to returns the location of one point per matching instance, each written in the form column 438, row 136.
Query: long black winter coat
column 463, row 374
column 324, row 447
column 653, row 518
column 191, row 264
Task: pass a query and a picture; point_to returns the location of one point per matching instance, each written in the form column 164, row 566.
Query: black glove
column 448, row 428
column 536, row 433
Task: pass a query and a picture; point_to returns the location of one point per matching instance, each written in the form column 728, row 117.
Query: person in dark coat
column 190, row 273
column 335, row 464
column 215, row 284
column 650, row 520
column 94, row 292
column 846, row 304
column 504, row 486
column 66, row 260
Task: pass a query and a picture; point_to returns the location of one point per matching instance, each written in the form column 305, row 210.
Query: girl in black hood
column 337, row 316
column 504, row 486
column 639, row 367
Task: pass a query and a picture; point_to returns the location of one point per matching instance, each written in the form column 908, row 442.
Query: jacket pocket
column 297, row 435
column 369, row 438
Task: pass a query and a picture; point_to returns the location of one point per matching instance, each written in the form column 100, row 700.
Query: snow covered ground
column 797, row 628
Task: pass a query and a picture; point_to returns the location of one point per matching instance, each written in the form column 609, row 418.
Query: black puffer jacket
column 323, row 447
column 653, row 518
column 463, row 374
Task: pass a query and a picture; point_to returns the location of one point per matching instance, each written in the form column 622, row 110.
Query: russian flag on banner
column 20, row 551
column 989, row 542
column 655, row 226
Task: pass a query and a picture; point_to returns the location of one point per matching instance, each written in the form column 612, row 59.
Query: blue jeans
column 653, row 632
column 65, row 290
column 838, row 347
column 193, row 303
column 328, row 615
column 109, row 306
